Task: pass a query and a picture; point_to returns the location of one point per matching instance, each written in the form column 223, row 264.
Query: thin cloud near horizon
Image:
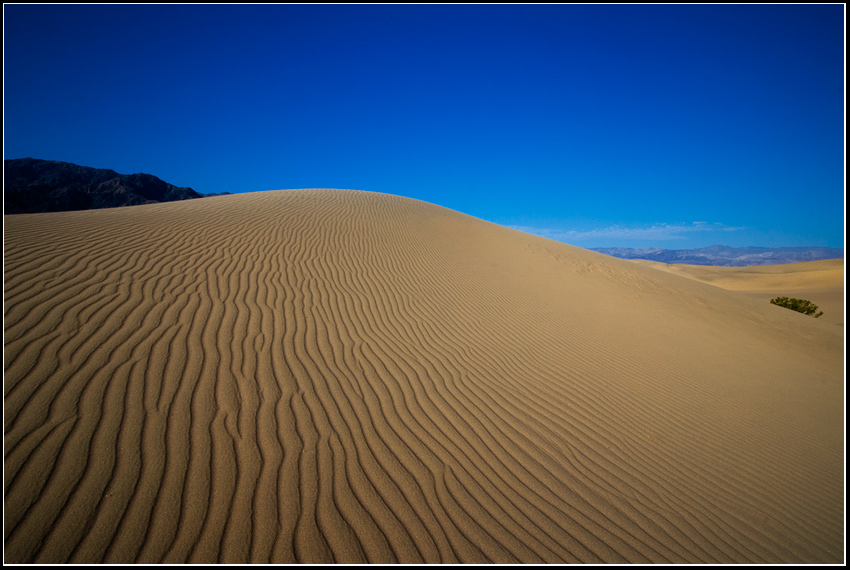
column 659, row 231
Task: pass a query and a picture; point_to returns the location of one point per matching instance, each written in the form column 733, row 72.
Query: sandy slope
column 339, row 376
column 821, row 282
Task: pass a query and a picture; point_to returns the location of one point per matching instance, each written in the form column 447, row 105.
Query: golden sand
column 338, row 376
column 821, row 282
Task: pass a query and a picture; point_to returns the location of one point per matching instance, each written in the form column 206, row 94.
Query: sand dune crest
column 340, row 376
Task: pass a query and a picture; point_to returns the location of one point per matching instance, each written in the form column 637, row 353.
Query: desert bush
column 799, row 305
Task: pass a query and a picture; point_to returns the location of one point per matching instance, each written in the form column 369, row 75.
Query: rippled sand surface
column 326, row 376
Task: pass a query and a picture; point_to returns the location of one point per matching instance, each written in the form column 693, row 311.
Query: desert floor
column 821, row 282
column 327, row 376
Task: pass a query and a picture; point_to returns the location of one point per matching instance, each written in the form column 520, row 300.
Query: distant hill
column 727, row 256
column 32, row 186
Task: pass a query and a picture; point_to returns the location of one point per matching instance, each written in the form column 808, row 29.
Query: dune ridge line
column 338, row 376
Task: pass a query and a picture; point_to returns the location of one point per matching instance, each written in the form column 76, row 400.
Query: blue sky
column 664, row 126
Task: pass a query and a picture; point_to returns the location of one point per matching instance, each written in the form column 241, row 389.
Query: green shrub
column 799, row 305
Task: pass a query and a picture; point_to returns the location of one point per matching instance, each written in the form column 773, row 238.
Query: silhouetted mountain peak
column 32, row 185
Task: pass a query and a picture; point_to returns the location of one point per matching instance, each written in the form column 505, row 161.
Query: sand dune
column 339, row 376
column 821, row 282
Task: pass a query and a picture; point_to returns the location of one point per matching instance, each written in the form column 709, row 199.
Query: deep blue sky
column 619, row 125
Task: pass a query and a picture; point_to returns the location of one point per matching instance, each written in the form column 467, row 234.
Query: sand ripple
column 332, row 376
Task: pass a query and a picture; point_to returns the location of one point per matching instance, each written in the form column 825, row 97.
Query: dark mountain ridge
column 727, row 256
column 32, row 185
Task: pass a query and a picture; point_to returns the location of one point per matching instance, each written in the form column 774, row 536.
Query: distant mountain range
column 727, row 256
column 32, row 185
